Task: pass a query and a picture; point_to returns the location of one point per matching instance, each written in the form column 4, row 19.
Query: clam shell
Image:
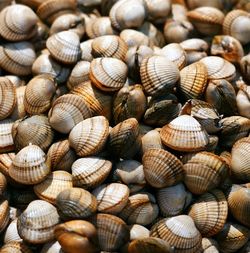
column 151, row 140
column 138, row 232
column 11, row 233
column 5, row 163
column 3, row 183
column 244, row 65
column 19, row 110
column 184, row 133
column 37, row 223
column 134, row 38
column 6, row 139
column 194, row 44
column 86, row 48
column 4, row 214
column 161, row 168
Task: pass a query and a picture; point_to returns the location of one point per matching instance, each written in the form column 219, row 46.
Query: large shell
column 161, row 168
column 184, row 133
column 89, row 136
column 6, row 139
column 37, row 223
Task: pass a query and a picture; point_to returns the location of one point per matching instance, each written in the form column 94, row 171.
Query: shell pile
column 124, row 126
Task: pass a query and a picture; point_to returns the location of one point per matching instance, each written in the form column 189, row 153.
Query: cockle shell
column 138, row 232
column 86, row 48
column 242, row 99
column 19, row 110
column 5, row 163
column 6, row 139
column 245, row 66
column 134, row 38
column 151, row 140
column 11, row 233
column 4, row 214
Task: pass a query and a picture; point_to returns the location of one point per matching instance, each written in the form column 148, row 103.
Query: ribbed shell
column 4, row 214
column 86, row 48
column 3, row 183
column 17, row 58
column 180, row 232
column 209, row 245
column 64, row 47
column 29, row 166
column 5, row 163
column 161, row 168
column 150, row 140
column 36, row 224
column 11, row 233
column 158, row 74
column 19, row 110
column 75, row 203
column 184, row 133
column 105, row 77
column 134, row 38
column 90, row 172
column 6, row 139
column 89, row 136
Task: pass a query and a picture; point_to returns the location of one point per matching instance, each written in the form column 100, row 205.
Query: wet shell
column 75, row 203
column 209, row 245
column 39, row 93
column 90, row 172
column 6, row 139
column 89, row 136
column 104, row 76
column 17, row 58
column 161, row 168
column 64, row 47
column 29, row 166
column 15, row 247
column 19, row 110
column 184, row 133
column 180, row 232
column 18, row 22
column 4, row 214
column 37, row 223
column 151, row 140
column 158, row 74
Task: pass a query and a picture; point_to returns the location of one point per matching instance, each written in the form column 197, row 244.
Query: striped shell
column 19, row 110
column 4, row 214
column 209, row 245
column 86, row 48
column 6, row 139
column 151, row 140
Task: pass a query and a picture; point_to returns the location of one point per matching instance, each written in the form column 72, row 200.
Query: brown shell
column 5, row 163
column 3, row 183
column 151, row 140
column 19, row 110
column 6, row 139
column 15, row 247
column 4, row 214
column 210, row 245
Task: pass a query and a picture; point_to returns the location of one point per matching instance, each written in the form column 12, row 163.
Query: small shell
column 107, row 78
column 161, row 168
column 86, row 48
column 15, row 247
column 11, row 233
column 138, row 232
column 210, row 245
column 29, row 166
column 3, row 183
column 37, row 223
column 89, row 136
column 245, row 66
column 4, row 214
column 184, row 133
column 6, row 139
column 19, row 110
column 90, row 172
column 134, row 38
column 64, row 47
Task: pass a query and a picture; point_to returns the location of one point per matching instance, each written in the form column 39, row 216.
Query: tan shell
column 151, row 140
column 19, row 110
column 184, row 133
column 4, row 214
column 75, row 203
column 158, row 74
column 29, row 165
column 180, row 232
column 6, row 139
column 52, row 247
column 104, row 76
column 134, row 38
column 5, row 163
column 161, row 168
column 90, row 172
column 138, row 232
column 86, row 48
column 210, row 245
column 37, row 223
column 89, row 136
column 11, row 233
column 17, row 58
column 16, row 80
column 64, row 47
column 15, row 247
column 244, row 65
column 242, row 99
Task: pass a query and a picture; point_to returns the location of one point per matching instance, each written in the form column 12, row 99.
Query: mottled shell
column 6, row 139
column 161, row 168
column 37, row 223
column 4, row 214
column 29, row 165
column 184, row 133
column 90, row 172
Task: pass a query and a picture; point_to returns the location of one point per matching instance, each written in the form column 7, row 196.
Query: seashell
column 125, row 139
column 109, row 46
column 203, row 112
column 158, row 74
column 64, row 47
column 5, row 163
column 105, row 77
column 129, row 102
column 210, row 245
column 242, row 99
column 141, row 209
column 193, row 80
column 49, row 10
column 221, row 94
column 39, row 94
column 112, row 231
column 150, row 244
column 17, row 58
column 192, row 4
column 45, row 64
column 11, row 233
column 4, row 214
column 111, row 198
column 29, row 165
column 232, row 237
column 122, row 14
column 15, row 247
column 236, row 24
column 18, row 22
column 89, row 136
column 90, row 172
column 180, row 232
column 6, row 140
column 138, row 232
column 79, row 74
column 134, row 38
column 207, row 20
column 52, row 185
column 227, row 47
column 3, row 183
column 161, row 168
column 37, row 223
column 16, row 80
column 77, row 236
column 219, row 68
column 244, row 66
column 194, row 44
column 52, row 247
column 86, row 48
column 173, row 200
column 75, row 203
column 35, row 129
column 234, row 128
column 60, row 156
column 209, row 213
column 184, row 133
